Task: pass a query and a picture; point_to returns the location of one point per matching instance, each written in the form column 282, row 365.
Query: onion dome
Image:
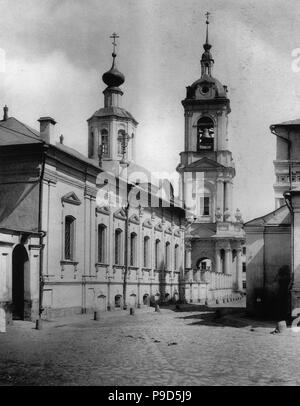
column 113, row 77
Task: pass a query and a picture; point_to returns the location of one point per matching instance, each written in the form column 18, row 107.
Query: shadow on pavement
column 226, row 317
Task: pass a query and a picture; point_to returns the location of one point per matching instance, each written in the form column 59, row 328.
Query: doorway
column 20, row 263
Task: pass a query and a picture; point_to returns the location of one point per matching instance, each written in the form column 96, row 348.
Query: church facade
column 83, row 233
column 215, row 238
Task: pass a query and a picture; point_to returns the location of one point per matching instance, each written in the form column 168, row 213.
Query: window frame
column 72, row 238
column 101, row 248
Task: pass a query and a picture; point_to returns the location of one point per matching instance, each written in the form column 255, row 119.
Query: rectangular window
column 69, row 237
column 101, row 243
column 167, row 256
column 118, row 234
column 133, row 249
column 244, row 266
column 157, row 254
column 206, row 206
column 176, row 257
column 91, row 145
column 146, row 252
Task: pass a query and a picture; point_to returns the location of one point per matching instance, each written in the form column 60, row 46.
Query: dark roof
column 13, row 132
column 114, row 111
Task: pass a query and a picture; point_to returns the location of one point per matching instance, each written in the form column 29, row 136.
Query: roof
column 221, row 92
column 278, row 217
column 77, row 155
column 13, row 132
column 114, row 111
column 290, row 122
column 205, row 164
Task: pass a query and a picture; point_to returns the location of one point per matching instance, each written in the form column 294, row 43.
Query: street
column 149, row 348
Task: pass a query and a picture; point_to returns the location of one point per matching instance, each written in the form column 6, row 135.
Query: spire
column 113, row 78
column 206, row 59
column 207, row 23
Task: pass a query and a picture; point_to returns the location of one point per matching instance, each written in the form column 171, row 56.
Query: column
column 239, row 269
column 228, row 258
column 188, row 254
column 217, row 260
column 220, row 195
column 226, row 196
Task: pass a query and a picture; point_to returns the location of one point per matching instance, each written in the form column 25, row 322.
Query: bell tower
column 214, row 237
column 206, row 110
column 112, row 125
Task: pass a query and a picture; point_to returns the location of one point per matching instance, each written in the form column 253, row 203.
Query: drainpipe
column 42, row 235
column 288, row 141
column 287, row 197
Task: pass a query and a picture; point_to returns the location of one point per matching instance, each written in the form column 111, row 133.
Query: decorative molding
column 169, row 230
column 177, row 233
column 134, row 219
column 103, row 210
column 120, row 214
column 71, row 198
column 158, row 227
column 147, row 223
column 91, row 191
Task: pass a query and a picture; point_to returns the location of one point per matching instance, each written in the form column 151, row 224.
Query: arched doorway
column 204, row 264
column 146, row 299
column 20, row 263
column 118, row 300
column 101, row 303
column 132, row 300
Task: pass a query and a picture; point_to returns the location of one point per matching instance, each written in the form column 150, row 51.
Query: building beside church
column 273, row 260
column 215, row 238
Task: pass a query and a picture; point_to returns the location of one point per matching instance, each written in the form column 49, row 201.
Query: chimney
column 5, row 113
column 47, row 129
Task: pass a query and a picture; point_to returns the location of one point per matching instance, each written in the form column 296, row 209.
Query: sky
column 53, row 54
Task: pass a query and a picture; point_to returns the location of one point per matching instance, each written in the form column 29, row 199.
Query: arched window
column 91, row 144
column 133, row 249
column 176, row 256
column 205, row 134
column 69, row 238
column 118, row 247
column 167, row 256
column 121, row 134
column 104, row 141
column 101, row 243
column 146, row 251
column 157, row 254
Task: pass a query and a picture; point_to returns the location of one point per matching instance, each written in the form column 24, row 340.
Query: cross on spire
column 207, row 14
column 114, row 36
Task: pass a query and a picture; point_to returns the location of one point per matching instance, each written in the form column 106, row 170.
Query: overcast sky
column 57, row 50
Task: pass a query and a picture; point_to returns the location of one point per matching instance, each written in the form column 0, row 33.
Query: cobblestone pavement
column 149, row 348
